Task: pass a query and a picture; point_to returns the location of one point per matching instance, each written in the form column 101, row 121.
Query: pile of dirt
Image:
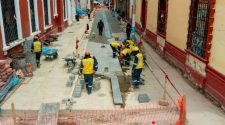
column 125, row 85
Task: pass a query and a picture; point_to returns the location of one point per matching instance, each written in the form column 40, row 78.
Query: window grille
column 46, row 13
column 55, row 7
column 9, row 20
column 198, row 26
column 65, row 9
column 32, row 16
column 162, row 17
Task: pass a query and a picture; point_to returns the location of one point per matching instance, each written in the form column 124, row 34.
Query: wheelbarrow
column 70, row 62
column 50, row 53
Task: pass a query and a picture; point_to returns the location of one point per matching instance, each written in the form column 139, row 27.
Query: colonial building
column 190, row 34
column 21, row 19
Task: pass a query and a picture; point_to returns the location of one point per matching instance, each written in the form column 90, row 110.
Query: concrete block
column 117, row 98
column 77, row 92
column 143, row 98
column 75, row 71
column 97, row 85
column 82, row 83
column 72, row 77
column 69, row 83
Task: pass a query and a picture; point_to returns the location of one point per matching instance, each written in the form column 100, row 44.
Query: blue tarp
column 10, row 83
column 48, row 51
column 82, row 12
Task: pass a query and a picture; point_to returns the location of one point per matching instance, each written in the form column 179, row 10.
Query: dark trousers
column 89, row 82
column 127, row 60
column 136, row 77
column 100, row 31
column 38, row 58
column 128, row 35
column 114, row 51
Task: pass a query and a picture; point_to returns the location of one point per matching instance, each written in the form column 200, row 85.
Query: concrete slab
column 143, row 98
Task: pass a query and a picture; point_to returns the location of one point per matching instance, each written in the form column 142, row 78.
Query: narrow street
column 49, row 82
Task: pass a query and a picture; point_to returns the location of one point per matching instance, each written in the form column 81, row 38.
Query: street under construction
column 55, row 94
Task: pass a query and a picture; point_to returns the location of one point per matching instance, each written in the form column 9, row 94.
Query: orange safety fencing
column 143, row 114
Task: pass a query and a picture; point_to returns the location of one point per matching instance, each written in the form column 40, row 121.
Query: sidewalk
column 49, row 82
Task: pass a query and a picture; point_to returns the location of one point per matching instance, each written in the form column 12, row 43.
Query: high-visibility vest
column 88, row 65
column 125, row 51
column 140, row 63
column 131, row 48
column 130, row 42
column 37, row 46
column 115, row 45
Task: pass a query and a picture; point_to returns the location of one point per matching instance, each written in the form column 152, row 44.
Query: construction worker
column 115, row 48
column 137, row 67
column 129, row 43
column 125, row 55
column 37, row 49
column 88, row 67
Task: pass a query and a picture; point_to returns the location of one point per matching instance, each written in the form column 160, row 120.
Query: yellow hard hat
column 135, row 48
column 116, row 37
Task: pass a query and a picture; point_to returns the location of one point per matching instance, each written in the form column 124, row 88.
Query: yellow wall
column 138, row 11
column 152, row 14
column 217, row 58
column 177, row 24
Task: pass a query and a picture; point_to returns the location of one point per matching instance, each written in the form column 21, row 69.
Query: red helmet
column 87, row 53
column 123, row 47
column 121, row 56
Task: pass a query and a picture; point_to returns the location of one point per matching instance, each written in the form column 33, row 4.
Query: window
column 198, row 26
column 162, row 17
column 55, row 7
column 9, row 20
column 65, row 9
column 33, row 15
column 47, row 14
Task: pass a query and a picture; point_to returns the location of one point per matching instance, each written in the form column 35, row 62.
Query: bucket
column 31, row 58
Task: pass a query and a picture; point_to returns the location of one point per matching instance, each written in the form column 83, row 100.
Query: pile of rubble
column 5, row 71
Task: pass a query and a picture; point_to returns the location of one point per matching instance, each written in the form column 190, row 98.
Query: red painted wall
column 25, row 23
column 40, row 15
column 1, row 47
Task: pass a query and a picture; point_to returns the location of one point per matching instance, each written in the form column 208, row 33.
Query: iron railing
column 46, row 13
column 199, row 27
column 32, row 15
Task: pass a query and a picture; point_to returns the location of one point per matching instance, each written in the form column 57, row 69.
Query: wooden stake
column 13, row 113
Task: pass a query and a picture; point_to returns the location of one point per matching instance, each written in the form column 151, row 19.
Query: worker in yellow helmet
column 88, row 67
column 129, row 43
column 125, row 55
column 115, row 48
column 137, row 67
column 37, row 49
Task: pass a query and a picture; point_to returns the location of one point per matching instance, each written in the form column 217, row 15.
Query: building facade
column 22, row 19
column 190, row 35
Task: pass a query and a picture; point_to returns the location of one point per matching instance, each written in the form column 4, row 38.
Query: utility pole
column 133, row 5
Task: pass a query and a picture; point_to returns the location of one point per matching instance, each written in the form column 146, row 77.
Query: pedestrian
column 125, row 55
column 88, row 67
column 87, row 29
column 115, row 48
column 128, row 30
column 137, row 67
column 100, row 27
column 89, row 14
column 37, row 49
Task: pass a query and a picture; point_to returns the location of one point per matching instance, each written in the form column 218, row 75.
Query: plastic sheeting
column 10, row 83
column 81, row 12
